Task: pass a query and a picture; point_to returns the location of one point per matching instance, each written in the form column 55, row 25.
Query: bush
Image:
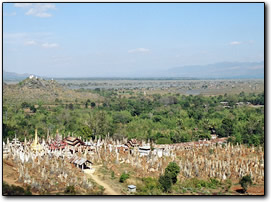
column 165, row 182
column 113, row 175
column 11, row 190
column 172, row 170
column 149, row 186
column 124, row 177
column 212, row 183
column 211, row 151
column 150, row 183
column 170, row 177
column 92, row 104
column 245, row 182
column 33, row 109
column 25, row 105
column 70, row 190
column 228, row 184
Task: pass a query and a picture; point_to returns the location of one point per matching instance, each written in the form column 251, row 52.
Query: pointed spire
column 36, row 136
column 48, row 133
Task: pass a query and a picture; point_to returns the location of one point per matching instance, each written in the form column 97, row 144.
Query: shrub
column 112, row 175
column 150, row 183
column 165, row 182
column 33, row 109
column 245, row 182
column 212, row 183
column 92, row 104
column 28, row 192
column 25, row 105
column 172, row 171
column 124, row 177
column 70, row 190
column 149, row 186
column 211, row 151
column 228, row 184
column 15, row 190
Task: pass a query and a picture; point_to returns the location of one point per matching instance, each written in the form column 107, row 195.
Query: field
column 185, row 87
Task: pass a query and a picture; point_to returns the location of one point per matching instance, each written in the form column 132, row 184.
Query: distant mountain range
column 222, row 70
column 10, row 76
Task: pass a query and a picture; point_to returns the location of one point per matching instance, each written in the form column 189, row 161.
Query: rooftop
column 131, row 186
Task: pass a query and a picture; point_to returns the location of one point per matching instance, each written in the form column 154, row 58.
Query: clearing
column 108, row 190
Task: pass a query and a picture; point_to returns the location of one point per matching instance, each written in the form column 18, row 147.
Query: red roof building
column 58, row 143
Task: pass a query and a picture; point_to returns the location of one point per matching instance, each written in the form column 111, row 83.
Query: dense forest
column 169, row 118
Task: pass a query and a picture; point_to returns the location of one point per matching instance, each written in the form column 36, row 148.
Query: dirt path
column 10, row 173
column 108, row 190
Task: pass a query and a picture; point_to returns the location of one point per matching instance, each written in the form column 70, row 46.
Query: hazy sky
column 117, row 39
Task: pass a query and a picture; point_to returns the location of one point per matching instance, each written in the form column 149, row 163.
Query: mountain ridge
column 220, row 70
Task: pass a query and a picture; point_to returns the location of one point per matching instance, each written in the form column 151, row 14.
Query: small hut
column 80, row 162
column 131, row 188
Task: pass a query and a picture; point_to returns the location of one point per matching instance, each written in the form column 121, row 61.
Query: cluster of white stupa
column 224, row 162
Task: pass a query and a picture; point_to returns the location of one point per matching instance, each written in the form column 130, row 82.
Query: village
column 50, row 165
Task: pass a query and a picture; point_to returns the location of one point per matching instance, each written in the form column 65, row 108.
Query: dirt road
column 108, row 190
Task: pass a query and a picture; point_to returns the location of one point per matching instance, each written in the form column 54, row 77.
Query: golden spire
column 36, row 137
column 35, row 145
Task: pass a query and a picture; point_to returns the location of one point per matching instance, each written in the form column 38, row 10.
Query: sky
column 128, row 39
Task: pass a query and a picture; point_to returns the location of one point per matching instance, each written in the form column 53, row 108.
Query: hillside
column 39, row 83
column 36, row 89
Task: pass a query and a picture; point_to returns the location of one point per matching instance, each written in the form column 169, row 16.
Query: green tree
column 86, row 132
column 122, row 117
column 226, row 128
column 172, row 170
column 163, row 140
column 165, row 182
column 99, row 123
column 232, row 100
